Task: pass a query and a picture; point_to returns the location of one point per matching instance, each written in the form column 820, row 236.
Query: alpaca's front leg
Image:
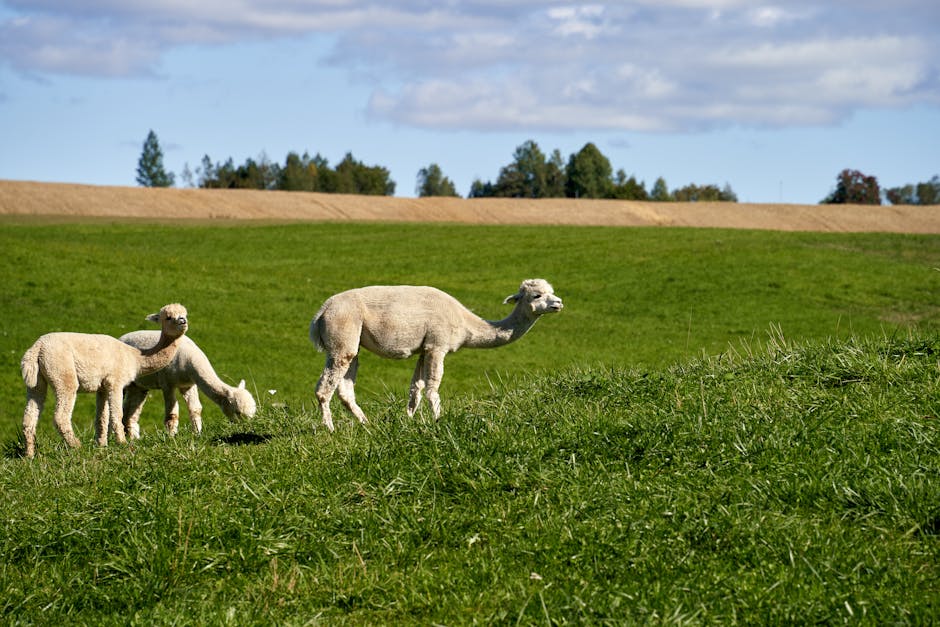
column 101, row 416
column 435, row 368
column 193, row 408
column 116, row 413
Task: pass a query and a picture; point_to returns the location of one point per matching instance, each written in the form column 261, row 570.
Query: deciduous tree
column 432, row 182
column 526, row 176
column 299, row 174
column 927, row 193
column 624, row 188
column 705, row 193
column 660, row 191
column 853, row 187
column 354, row 177
column 479, row 189
column 555, row 176
column 588, row 174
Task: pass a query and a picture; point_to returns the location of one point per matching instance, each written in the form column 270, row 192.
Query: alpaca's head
column 537, row 296
column 172, row 319
column 238, row 402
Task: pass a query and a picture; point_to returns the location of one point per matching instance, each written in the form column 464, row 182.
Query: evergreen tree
column 150, row 171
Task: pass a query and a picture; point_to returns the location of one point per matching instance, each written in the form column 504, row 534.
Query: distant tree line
column 854, row 187
column 531, row 174
column 586, row 174
column 300, row 173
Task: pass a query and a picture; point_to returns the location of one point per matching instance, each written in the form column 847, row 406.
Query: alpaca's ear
column 241, row 384
column 511, row 299
column 154, row 317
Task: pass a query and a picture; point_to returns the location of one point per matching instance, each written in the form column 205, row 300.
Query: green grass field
column 721, row 426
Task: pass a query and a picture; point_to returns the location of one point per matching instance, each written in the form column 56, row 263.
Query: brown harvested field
column 71, row 201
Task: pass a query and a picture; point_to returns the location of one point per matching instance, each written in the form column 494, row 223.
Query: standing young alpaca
column 83, row 362
column 190, row 372
column 397, row 322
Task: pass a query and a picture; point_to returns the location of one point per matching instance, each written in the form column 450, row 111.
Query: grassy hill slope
column 634, row 297
column 722, row 425
column 800, row 484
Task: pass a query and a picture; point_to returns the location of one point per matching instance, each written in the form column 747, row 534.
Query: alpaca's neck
column 159, row 356
column 490, row 334
column 208, row 382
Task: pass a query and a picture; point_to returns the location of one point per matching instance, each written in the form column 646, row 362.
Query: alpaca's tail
column 316, row 331
column 29, row 366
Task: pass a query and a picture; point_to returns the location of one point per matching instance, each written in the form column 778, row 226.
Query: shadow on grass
column 13, row 449
column 244, row 439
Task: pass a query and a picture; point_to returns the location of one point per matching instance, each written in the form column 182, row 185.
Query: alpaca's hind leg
column 347, row 391
column 134, row 398
column 108, row 412
column 35, row 399
column 435, row 372
column 333, row 373
column 193, row 408
column 171, row 410
column 64, row 404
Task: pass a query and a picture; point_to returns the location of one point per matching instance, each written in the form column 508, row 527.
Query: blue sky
column 773, row 98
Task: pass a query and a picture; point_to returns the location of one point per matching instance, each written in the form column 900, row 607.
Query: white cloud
column 629, row 65
column 52, row 45
column 771, row 16
column 578, row 21
column 849, row 72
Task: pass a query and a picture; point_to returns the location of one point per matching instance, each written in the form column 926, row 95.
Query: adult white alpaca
column 83, row 362
column 397, row 322
column 190, row 372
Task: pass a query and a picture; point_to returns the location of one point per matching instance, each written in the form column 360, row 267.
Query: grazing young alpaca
column 83, row 362
column 191, row 373
column 397, row 322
